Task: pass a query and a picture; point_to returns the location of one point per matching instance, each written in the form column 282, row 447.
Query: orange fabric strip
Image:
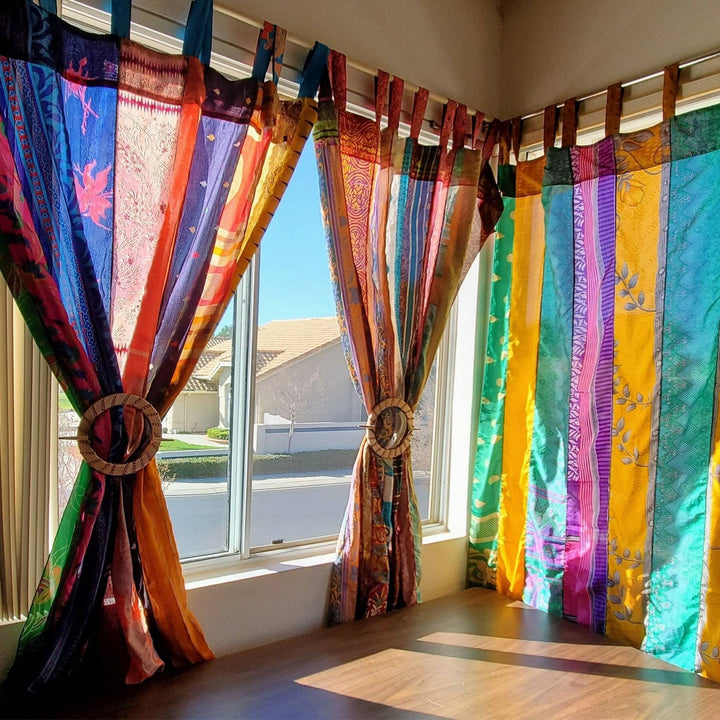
column 670, row 90
column 613, row 109
column 135, row 372
column 164, row 581
column 569, row 120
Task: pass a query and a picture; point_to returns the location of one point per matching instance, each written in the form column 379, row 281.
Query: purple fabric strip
column 604, row 374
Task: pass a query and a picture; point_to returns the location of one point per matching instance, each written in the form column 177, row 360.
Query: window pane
column 193, row 458
column 422, row 445
column 307, row 412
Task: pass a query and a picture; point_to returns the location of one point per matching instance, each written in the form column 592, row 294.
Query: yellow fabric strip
column 528, row 253
column 635, row 383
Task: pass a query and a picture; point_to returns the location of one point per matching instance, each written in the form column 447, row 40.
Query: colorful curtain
column 134, row 189
column 596, row 494
column 398, row 219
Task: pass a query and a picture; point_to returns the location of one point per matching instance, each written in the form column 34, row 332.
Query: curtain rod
column 630, row 83
column 300, row 42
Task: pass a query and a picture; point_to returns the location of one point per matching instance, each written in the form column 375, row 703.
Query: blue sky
column 294, row 275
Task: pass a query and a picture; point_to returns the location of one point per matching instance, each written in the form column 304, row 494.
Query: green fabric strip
column 485, row 500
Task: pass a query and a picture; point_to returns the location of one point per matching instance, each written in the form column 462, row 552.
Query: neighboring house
column 301, row 377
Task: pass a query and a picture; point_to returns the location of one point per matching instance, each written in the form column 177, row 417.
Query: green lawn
column 63, row 402
column 180, row 445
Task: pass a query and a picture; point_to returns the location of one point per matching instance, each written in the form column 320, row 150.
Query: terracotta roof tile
column 279, row 342
column 293, row 339
column 196, row 384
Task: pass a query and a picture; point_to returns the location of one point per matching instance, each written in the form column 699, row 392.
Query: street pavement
column 283, row 509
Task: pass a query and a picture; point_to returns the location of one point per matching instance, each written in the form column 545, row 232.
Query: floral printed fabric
column 618, row 486
column 130, row 204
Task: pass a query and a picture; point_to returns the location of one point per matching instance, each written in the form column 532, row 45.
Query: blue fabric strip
column 314, row 64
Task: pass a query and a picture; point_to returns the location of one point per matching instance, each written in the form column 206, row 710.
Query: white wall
column 451, row 47
column 193, row 412
column 556, row 49
column 307, row 437
column 317, row 386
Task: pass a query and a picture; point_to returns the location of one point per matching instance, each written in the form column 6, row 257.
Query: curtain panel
column 134, row 190
column 398, row 217
column 596, row 494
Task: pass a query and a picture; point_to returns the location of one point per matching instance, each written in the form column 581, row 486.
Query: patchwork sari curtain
column 596, row 493
column 134, row 189
column 398, row 219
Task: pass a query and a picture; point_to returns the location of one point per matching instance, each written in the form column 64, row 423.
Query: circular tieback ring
column 399, row 446
column 97, row 409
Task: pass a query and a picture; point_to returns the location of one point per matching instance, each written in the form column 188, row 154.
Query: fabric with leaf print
column 99, row 141
column 639, row 293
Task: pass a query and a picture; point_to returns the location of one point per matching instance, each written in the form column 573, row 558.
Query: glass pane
column 422, row 445
column 69, row 458
column 307, row 412
column 193, row 458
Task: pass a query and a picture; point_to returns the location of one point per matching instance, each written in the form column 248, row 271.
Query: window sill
column 232, row 568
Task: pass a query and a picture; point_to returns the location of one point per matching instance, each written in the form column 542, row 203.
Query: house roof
column 196, row 384
column 290, row 340
column 278, row 343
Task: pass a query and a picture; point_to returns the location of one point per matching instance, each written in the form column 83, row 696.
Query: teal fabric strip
column 547, row 482
column 120, row 19
column 690, row 340
column 485, row 500
column 198, row 31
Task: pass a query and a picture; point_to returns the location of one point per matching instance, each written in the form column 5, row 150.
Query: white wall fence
column 272, row 439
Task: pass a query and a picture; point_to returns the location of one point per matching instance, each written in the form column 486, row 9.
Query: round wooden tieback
column 97, row 409
column 375, row 446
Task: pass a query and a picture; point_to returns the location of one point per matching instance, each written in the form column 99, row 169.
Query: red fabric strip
column 419, row 106
column 381, row 89
column 613, row 109
column 397, row 86
column 569, row 119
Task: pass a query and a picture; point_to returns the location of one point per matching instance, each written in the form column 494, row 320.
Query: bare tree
column 422, row 442
column 69, row 458
column 292, row 397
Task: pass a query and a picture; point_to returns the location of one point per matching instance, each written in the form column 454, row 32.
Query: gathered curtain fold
column 596, row 494
column 134, row 190
column 398, row 217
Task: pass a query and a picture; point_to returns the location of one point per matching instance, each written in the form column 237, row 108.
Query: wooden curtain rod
column 629, row 83
column 300, row 42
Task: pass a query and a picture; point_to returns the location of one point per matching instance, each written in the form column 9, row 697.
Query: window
column 259, row 446
column 266, row 433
